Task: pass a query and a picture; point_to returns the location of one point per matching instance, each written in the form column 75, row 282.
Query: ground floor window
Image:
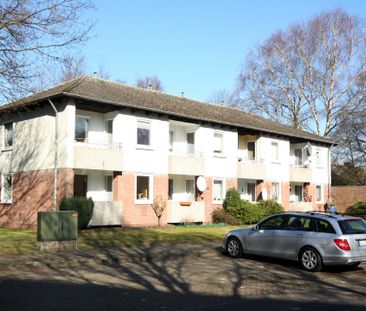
column 218, row 194
column 318, row 193
column 297, row 193
column 275, row 191
column 6, row 188
column 143, row 188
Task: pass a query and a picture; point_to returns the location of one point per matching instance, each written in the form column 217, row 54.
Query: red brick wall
column 285, row 195
column 33, row 192
column 344, row 196
column 141, row 214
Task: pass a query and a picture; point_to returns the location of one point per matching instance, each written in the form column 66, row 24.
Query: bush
column 271, row 207
column 220, row 216
column 247, row 213
column 232, row 199
column 358, row 209
column 83, row 206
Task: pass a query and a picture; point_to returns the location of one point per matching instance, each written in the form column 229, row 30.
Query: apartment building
column 124, row 146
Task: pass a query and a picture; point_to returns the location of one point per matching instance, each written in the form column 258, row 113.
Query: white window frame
column 279, row 191
column 275, row 157
column 148, row 200
column 321, row 194
column 9, row 200
column 87, row 130
column 5, row 138
column 218, row 135
column 190, row 196
column 188, row 144
column 146, row 124
column 223, row 194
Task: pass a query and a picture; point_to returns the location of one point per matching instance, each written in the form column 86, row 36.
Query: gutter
column 55, row 169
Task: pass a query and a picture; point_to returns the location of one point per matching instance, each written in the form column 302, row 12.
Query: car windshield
column 352, row 226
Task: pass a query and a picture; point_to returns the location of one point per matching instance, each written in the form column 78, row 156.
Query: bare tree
column 223, row 97
column 308, row 75
column 152, row 82
column 34, row 33
column 72, row 67
column 158, row 206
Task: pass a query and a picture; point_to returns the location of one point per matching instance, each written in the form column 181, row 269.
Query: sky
column 195, row 46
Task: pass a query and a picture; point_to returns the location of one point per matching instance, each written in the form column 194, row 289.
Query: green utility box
column 57, row 226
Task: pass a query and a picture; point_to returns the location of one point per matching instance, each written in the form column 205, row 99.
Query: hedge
column 358, row 209
column 83, row 206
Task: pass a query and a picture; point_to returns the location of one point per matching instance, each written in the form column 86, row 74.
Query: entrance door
column 80, row 185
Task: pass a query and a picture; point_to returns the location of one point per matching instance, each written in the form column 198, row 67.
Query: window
column 108, row 183
column 218, row 190
column 251, row 192
column 298, row 193
column 108, row 126
column 318, row 193
column 300, row 224
column 241, row 142
column 324, row 226
column 274, row 223
column 190, row 142
column 8, row 135
column 81, row 129
column 190, row 189
column 170, row 189
column 171, row 138
column 218, row 142
column 251, row 150
column 7, row 188
column 143, row 133
column 298, row 156
column 80, row 186
column 143, row 188
column 274, row 151
column 275, row 191
column 318, row 157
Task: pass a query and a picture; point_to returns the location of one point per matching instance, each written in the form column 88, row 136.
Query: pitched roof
column 105, row 91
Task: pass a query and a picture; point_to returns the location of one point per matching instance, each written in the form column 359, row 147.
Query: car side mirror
column 255, row 228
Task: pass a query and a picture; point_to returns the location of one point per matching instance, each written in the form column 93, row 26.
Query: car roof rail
column 324, row 214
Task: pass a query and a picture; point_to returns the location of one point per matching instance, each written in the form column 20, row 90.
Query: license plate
column 362, row 242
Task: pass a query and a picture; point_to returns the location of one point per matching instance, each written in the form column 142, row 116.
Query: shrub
column 358, row 209
column 83, row 206
column 247, row 213
column 232, row 199
column 271, row 207
column 220, row 216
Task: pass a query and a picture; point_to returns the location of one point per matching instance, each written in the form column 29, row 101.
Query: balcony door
column 80, row 185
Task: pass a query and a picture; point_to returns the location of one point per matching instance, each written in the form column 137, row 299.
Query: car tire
column 234, row 247
column 310, row 260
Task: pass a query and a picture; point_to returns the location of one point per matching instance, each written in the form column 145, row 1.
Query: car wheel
column 234, row 248
column 310, row 260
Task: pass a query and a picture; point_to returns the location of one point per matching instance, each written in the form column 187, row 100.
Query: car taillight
column 342, row 244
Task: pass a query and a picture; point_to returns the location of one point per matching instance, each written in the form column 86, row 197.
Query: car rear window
column 352, row 226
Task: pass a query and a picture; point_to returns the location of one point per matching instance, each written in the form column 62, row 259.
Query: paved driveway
column 176, row 277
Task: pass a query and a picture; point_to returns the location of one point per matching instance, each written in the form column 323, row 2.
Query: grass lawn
column 13, row 241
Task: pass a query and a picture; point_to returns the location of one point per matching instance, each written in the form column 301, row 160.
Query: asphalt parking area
column 180, row 277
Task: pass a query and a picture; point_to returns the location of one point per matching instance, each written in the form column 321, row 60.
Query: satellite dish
column 264, row 194
column 201, row 183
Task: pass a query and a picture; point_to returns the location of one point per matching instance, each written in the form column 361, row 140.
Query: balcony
column 300, row 174
column 94, row 156
column 301, row 206
column 251, row 169
column 186, row 164
column 181, row 213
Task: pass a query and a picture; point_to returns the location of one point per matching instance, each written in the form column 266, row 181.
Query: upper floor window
column 274, row 151
column 218, row 142
column 298, row 156
column 143, row 133
column 6, row 188
column 108, row 126
column 190, row 142
column 81, row 129
column 8, row 135
column 251, row 150
column 171, row 138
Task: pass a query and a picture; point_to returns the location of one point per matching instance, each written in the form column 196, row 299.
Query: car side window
column 324, row 226
column 274, row 223
column 299, row 223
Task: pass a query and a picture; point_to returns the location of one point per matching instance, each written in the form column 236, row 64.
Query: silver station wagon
column 312, row 239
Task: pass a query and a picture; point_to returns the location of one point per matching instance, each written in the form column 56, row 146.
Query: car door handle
column 299, row 234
